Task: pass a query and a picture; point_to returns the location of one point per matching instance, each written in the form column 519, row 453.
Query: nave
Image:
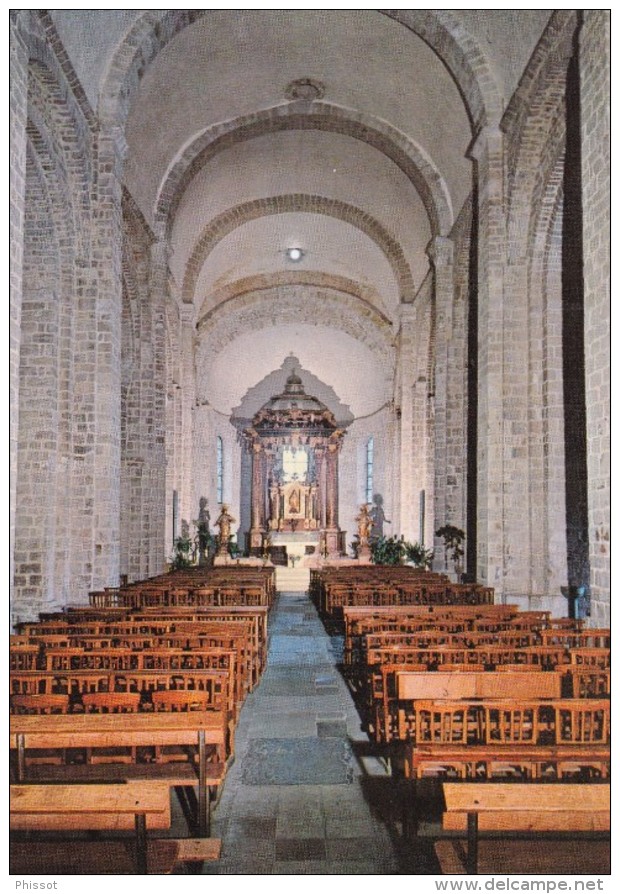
column 305, row 794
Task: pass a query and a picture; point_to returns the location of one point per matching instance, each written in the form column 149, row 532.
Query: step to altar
column 292, row 580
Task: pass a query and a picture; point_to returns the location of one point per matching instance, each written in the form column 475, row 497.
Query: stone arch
column 406, row 154
column 460, row 53
column 296, row 303
column 51, row 117
column 440, row 29
column 45, row 46
column 535, row 123
column 229, row 220
column 366, row 296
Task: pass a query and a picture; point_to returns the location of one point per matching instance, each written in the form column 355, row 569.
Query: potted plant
column 453, row 539
column 181, row 557
column 387, row 550
column 234, row 550
column 418, row 556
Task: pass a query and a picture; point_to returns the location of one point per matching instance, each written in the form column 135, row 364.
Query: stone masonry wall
column 53, row 546
column 595, row 122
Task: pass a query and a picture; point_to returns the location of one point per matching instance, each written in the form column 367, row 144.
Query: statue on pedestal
column 224, row 522
column 364, row 526
column 203, row 534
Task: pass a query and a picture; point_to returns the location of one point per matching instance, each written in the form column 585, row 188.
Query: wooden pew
column 141, row 805
column 491, row 738
column 513, row 809
column 409, row 687
column 198, row 729
column 362, row 619
column 112, row 808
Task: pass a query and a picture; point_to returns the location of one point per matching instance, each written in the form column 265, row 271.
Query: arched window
column 370, row 449
column 220, row 470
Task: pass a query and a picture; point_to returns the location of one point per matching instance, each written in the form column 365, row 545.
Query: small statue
column 202, row 531
column 224, row 522
column 364, row 525
column 293, row 501
column 378, row 517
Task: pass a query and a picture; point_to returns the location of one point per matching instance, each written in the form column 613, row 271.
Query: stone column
column 102, row 365
column 594, row 65
column 319, row 457
column 258, row 498
column 331, row 500
column 185, row 471
column 488, row 153
column 408, row 436
column 156, row 547
column 18, row 102
column 447, row 510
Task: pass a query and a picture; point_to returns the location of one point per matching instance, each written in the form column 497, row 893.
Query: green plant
column 418, row 555
column 387, row 551
column 204, row 541
column 234, row 550
column 453, row 539
column 181, row 557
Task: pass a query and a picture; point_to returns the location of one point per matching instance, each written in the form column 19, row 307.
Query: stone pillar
column 156, row 547
column 187, row 506
column 594, row 65
column 258, row 498
column 102, row 365
column 331, row 500
column 319, row 456
column 18, row 81
column 488, row 153
column 408, row 436
column 447, row 510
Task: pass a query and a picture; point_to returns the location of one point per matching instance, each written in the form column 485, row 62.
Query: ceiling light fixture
column 294, row 254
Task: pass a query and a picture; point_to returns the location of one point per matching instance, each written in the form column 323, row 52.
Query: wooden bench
column 142, row 806
column 113, row 808
column 510, row 809
column 533, row 737
column 411, row 686
column 535, row 762
column 61, row 731
column 164, row 856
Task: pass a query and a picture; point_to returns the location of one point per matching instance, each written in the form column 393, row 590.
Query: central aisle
column 304, row 794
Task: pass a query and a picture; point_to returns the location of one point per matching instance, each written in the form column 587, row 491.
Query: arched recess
column 229, row 220
column 409, row 157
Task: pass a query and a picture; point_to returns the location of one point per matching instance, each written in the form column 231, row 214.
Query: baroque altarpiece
column 294, row 441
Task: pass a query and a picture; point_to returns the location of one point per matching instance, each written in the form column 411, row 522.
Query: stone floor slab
column 300, row 849
column 310, row 761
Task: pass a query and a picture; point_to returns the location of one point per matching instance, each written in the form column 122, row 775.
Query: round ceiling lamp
column 294, row 254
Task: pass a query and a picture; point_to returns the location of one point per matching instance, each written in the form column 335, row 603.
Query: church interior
column 293, row 292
